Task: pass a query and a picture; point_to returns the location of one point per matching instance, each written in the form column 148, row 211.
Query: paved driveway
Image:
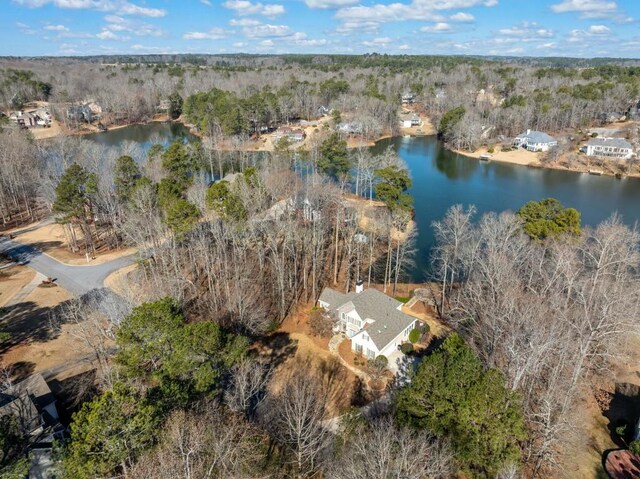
column 78, row 280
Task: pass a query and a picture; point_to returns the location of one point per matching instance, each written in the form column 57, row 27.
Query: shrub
column 491, row 150
column 621, row 430
column 594, row 134
column 403, row 299
column 634, row 447
column 414, row 335
column 381, row 361
column 406, row 348
column 425, row 328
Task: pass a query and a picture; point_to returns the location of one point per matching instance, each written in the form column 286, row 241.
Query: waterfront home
column 534, row 141
column 351, row 128
column 372, row 320
column 410, row 121
column 24, row 118
column 291, row 134
column 618, row 148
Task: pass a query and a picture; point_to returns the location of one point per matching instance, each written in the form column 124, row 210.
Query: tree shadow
column 73, row 391
column 623, row 410
column 27, row 322
column 21, row 370
column 276, row 348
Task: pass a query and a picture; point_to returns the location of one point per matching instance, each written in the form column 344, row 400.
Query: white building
column 411, row 121
column 534, row 141
column 609, row 148
column 372, row 320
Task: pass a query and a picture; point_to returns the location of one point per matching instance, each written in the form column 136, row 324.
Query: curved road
column 77, row 280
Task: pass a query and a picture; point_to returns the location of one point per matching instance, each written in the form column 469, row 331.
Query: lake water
column 442, row 179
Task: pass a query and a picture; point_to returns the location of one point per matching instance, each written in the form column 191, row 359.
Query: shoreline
column 517, row 158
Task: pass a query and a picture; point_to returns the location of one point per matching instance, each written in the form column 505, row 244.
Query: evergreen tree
column 108, row 433
column 181, row 216
column 179, row 360
column 390, row 189
column 127, row 174
column 548, row 218
column 452, row 395
column 334, row 157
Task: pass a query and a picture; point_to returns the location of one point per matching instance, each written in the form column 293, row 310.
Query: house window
column 342, row 316
column 365, row 337
column 371, row 353
column 358, row 348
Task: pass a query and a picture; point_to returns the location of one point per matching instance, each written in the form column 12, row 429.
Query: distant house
column 33, row 403
column 372, row 320
column 534, row 141
column 24, row 118
column 611, row 116
column 80, row 113
column 408, row 98
column 323, row 111
column 609, row 148
column 411, row 121
column 351, row 128
column 291, row 134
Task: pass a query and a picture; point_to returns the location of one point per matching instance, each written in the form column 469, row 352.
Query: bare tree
column 381, row 450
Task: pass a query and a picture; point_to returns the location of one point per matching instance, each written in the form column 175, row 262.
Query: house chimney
column 359, row 286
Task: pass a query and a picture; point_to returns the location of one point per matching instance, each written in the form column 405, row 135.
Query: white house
column 534, row 141
column 372, row 320
column 411, row 121
column 609, row 148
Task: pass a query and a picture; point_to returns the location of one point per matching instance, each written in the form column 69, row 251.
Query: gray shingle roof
column 536, row 137
column 614, row 142
column 374, row 305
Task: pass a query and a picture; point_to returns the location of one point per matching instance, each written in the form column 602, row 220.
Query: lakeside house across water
column 609, row 148
column 534, row 141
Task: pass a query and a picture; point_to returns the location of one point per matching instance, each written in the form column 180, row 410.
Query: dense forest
column 230, row 243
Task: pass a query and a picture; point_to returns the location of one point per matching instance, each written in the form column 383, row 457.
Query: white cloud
column 244, row 7
column 440, row 27
column 462, row 17
column 360, row 27
column 206, row 2
column 266, row 30
column 109, row 35
column 116, row 23
column 212, row 34
column 267, row 43
column 56, row 28
column 243, row 22
column 378, row 42
column 592, row 9
column 144, row 48
column 527, row 29
column 122, row 7
column 585, row 6
column 324, row 4
column 599, row 29
column 404, row 47
column 414, row 10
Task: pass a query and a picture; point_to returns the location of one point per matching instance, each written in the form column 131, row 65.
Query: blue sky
column 584, row 28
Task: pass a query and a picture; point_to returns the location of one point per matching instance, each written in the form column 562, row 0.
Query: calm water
column 442, row 179
column 145, row 135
